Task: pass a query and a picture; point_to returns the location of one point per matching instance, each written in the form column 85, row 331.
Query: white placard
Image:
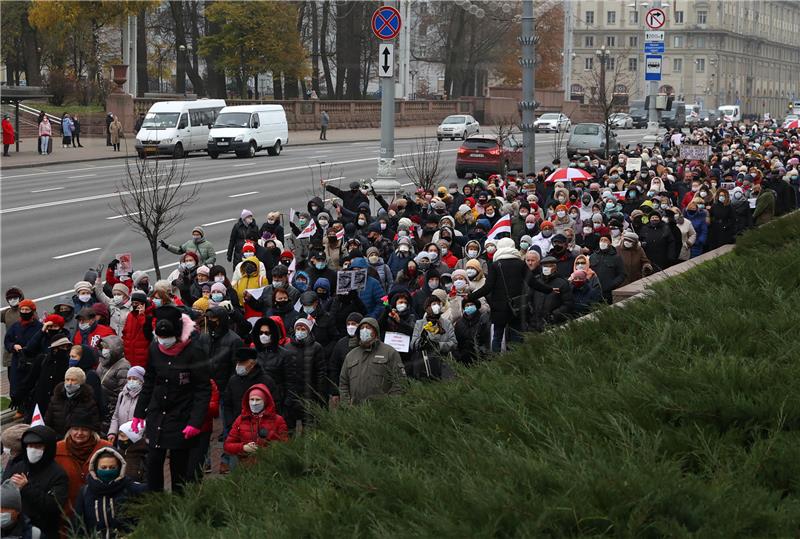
column 399, row 341
column 633, row 164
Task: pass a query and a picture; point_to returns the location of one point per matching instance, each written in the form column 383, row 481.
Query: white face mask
column 587, row 230
column 13, row 302
column 301, row 335
column 84, row 297
column 471, row 273
column 190, row 265
column 436, row 308
column 265, row 339
column 460, row 284
column 219, row 279
column 106, row 352
column 84, row 325
column 604, row 245
column 472, row 253
column 133, row 385
column 365, row 335
column 546, row 270
column 167, row 342
column 580, row 266
column 118, row 299
column 627, row 244
column 561, row 213
column 256, row 406
column 34, row 454
column 401, row 307
column 308, row 309
column 351, row 330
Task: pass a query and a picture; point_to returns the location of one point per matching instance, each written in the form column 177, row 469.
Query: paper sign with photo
column 125, row 266
column 344, row 282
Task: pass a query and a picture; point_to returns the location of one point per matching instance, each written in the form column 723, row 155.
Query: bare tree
column 423, row 165
column 559, row 140
column 505, row 126
column 607, row 74
column 152, row 197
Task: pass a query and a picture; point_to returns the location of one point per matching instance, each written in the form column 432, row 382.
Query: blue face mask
column 469, row 310
column 107, row 476
column 301, row 285
column 74, row 362
column 157, row 302
column 320, row 265
column 217, row 297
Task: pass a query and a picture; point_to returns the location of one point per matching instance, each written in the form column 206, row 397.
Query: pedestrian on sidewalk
column 324, row 121
column 66, row 131
column 45, row 131
column 76, row 131
column 116, row 133
column 109, row 119
column 8, row 134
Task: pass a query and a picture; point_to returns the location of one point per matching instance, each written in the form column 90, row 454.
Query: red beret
column 56, row 319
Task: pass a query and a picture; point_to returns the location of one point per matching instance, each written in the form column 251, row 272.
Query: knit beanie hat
column 218, row 287
column 28, row 303
column 12, row 439
column 203, row 270
column 82, row 285
column 199, row 230
column 120, row 289
column 55, row 319
column 245, row 214
column 137, row 372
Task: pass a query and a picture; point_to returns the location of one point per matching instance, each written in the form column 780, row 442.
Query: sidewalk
column 95, row 148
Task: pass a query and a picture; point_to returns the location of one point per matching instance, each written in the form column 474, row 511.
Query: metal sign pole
column 386, row 180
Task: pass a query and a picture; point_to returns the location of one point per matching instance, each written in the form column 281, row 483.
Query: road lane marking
column 334, row 179
column 247, row 164
column 119, row 216
column 81, row 176
column 76, row 253
column 243, row 194
column 212, row 223
column 46, row 190
column 405, row 168
column 58, row 172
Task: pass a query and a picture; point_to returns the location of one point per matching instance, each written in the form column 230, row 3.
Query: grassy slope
column 676, row 415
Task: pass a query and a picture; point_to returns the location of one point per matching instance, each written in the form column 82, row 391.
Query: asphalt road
column 58, row 221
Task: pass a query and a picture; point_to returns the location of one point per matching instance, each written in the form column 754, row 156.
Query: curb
column 108, row 158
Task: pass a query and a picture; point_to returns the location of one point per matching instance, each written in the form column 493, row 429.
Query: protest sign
column 633, row 164
column 125, row 266
column 399, row 341
column 694, row 152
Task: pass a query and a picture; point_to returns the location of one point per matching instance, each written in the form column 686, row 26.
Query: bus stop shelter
column 13, row 95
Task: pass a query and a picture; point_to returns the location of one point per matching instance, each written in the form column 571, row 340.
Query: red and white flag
column 340, row 234
column 36, row 419
column 502, row 225
column 292, row 268
column 308, row 231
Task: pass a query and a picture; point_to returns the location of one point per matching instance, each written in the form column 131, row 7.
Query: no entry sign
column 655, row 18
column 386, row 22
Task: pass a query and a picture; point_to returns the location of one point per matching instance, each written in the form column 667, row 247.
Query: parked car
column 488, row 154
column 708, row 118
column 638, row 113
column 177, row 127
column 675, row 117
column 245, row 129
column 590, row 138
column 457, row 126
column 620, row 120
column 552, row 121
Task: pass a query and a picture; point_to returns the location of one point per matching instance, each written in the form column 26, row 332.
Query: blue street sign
column 654, row 47
column 386, row 22
column 652, row 68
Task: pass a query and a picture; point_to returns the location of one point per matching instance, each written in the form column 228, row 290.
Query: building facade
column 718, row 52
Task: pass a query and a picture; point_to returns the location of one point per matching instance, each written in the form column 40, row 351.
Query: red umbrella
column 568, row 174
column 792, row 124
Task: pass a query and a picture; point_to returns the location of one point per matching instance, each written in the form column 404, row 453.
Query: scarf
column 86, row 333
column 175, row 349
column 82, row 452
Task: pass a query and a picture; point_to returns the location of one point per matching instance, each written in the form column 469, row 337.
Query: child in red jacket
column 257, row 425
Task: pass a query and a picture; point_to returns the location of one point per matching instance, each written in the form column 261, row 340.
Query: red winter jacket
column 133, row 339
column 8, row 132
column 213, row 408
column 246, row 427
column 98, row 333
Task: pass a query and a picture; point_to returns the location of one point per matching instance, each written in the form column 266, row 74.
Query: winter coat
column 765, row 207
column 100, row 507
column 261, row 428
column 505, row 288
column 238, row 386
column 385, row 275
column 239, row 233
column 698, row 220
column 45, row 129
column 62, row 408
column 47, row 490
column 46, row 372
column 92, row 336
column 220, row 346
column 23, row 335
column 204, row 250
column 659, row 244
column 473, row 335
column 66, row 127
column 118, row 313
column 305, row 378
column 135, row 456
column 123, row 409
column 113, row 373
column 688, row 238
column 342, row 306
column 743, row 217
column 335, row 361
column 371, row 372
column 550, row 307
column 8, row 132
column 635, row 262
column 176, row 390
column 373, row 293
column 116, row 131
column 723, row 225
column 134, row 339
column 587, row 295
column 609, row 268
column 76, row 469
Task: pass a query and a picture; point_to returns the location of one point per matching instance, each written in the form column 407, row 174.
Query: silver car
column 590, row 138
column 457, row 126
column 621, row 120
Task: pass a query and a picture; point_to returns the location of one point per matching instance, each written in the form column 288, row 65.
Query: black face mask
column 26, row 316
column 123, row 445
column 281, row 304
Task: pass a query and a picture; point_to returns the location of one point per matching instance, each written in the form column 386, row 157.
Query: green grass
column 678, row 415
column 71, row 108
column 4, row 403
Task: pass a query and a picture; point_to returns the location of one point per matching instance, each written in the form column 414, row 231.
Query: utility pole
column 651, row 137
column 567, row 63
column 528, row 103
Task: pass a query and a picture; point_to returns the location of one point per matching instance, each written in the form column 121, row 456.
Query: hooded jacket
column 113, row 373
column 123, row 409
column 239, row 385
column 100, row 506
column 371, row 371
column 47, row 371
column 204, row 249
column 220, row 345
column 609, row 268
column 176, row 391
column 47, row 490
column 273, row 358
column 261, row 428
column 76, row 469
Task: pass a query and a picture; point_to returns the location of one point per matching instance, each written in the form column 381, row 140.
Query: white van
column 245, row 129
column 177, row 127
column 730, row 113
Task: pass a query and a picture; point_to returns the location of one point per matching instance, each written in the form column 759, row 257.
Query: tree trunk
column 290, row 88
column 154, row 252
column 277, row 86
column 314, row 48
column 353, row 50
column 342, row 9
column 323, row 49
column 141, row 53
column 33, row 69
column 215, row 75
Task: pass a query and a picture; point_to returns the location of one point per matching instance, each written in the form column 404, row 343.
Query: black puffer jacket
column 273, row 358
column 62, row 409
column 238, row 385
column 48, row 486
column 220, row 345
column 46, row 373
column 305, row 378
column 239, row 233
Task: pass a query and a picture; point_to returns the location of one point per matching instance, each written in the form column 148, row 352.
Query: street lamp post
column 528, row 103
column 602, row 55
column 184, row 50
column 413, row 73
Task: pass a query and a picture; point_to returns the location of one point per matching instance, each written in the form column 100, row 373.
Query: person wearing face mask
column 472, row 251
column 84, row 296
column 371, row 370
column 71, row 398
column 585, row 295
column 47, row 369
column 113, row 371
column 198, row 244
column 249, row 252
column 126, row 401
column 765, row 209
column 411, row 277
column 400, row 256
column 608, row 266
column 562, row 220
column 399, row 317
column 20, row 335
column 634, row 259
column 133, row 448
column 551, row 300
column 743, row 216
column 283, row 308
column 699, row 221
column 385, row 275
column 174, row 399
column 280, row 281
column 272, row 225
column 257, row 425
column 684, row 233
column 118, row 304
column 134, row 338
column 542, row 241
column 473, row 334
column 373, row 292
column 43, row 484
column 318, row 269
column 306, row 371
column 658, row 242
column 251, row 279
column 324, row 329
column 10, row 316
column 323, row 289
column 269, row 338
column 333, row 249
column 90, row 331
column 722, row 229
column 432, row 281
column 244, row 228
column 100, row 509
column 248, row 373
column 14, row 524
column 433, row 337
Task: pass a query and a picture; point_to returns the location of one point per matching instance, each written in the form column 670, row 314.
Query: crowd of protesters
column 340, row 304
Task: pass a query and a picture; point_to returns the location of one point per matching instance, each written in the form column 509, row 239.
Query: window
column 634, row 17
column 611, row 17
column 588, row 41
column 700, row 63
column 589, row 17
column 679, row 17
column 611, row 41
column 677, row 65
column 677, row 41
column 610, row 63
column 702, row 16
column 588, row 63
column 633, row 41
column 633, row 64
column 700, row 42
